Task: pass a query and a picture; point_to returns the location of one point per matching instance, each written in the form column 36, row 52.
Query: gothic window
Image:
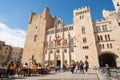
column 105, row 37
column 83, row 30
column 84, row 40
column 101, row 38
column 104, row 27
column 98, row 29
column 107, row 45
column 100, row 46
column 71, row 28
column 71, row 42
column 108, row 37
column 111, row 45
column 35, row 37
column 98, row 38
column 103, row 46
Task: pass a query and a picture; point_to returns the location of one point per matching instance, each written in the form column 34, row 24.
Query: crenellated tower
column 85, row 39
column 36, row 35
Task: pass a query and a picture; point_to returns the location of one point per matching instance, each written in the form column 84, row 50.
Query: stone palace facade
column 48, row 40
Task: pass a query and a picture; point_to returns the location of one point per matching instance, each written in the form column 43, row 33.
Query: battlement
column 81, row 11
column 107, row 13
column 31, row 15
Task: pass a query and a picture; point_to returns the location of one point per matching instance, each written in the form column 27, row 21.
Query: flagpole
column 69, row 48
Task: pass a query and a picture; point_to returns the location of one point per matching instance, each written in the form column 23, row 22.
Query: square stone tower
column 85, row 38
column 36, row 35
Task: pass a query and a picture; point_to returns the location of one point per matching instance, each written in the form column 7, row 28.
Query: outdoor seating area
column 23, row 71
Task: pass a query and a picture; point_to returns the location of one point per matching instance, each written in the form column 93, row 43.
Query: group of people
column 14, row 68
column 75, row 66
column 26, row 70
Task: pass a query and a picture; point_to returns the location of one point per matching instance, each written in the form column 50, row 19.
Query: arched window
column 100, row 46
column 105, row 37
column 101, row 38
column 103, row 46
column 98, row 29
column 108, row 37
column 35, row 37
column 98, row 38
column 104, row 27
column 83, row 30
column 84, row 40
column 107, row 45
column 111, row 45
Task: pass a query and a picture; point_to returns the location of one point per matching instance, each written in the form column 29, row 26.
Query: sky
column 14, row 15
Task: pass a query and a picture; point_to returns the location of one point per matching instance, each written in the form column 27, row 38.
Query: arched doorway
column 58, row 61
column 107, row 58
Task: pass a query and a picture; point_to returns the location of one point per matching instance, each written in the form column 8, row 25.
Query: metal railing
column 113, row 72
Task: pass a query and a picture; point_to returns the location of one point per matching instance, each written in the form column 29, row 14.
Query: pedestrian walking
column 72, row 67
column 76, row 67
column 81, row 64
column 86, row 66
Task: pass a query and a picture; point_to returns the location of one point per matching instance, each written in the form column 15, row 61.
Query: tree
column 3, row 58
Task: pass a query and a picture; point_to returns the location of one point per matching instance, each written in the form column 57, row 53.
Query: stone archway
column 58, row 60
column 107, row 58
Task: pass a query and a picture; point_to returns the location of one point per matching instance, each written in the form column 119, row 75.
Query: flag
column 54, row 40
column 62, row 41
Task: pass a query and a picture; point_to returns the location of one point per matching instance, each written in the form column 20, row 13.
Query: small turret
column 82, row 10
column 31, row 16
column 116, row 4
column 46, row 12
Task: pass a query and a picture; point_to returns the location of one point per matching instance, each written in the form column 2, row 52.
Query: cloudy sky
column 14, row 15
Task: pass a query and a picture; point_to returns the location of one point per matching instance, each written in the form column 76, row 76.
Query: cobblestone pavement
column 91, row 75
